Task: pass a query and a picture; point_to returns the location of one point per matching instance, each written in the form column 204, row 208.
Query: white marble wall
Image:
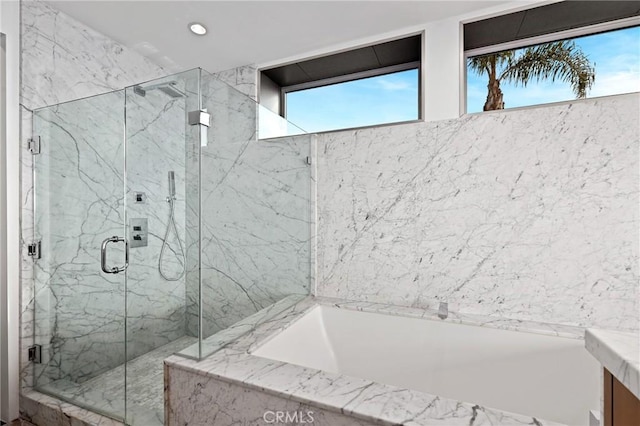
column 255, row 215
column 64, row 60
column 243, row 79
column 529, row 214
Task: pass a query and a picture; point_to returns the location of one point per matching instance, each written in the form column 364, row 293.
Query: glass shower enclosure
column 163, row 223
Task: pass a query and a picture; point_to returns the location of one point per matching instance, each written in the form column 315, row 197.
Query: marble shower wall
column 529, row 214
column 243, row 79
column 256, row 215
column 64, row 60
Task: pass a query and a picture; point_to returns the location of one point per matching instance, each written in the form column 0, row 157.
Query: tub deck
column 330, row 383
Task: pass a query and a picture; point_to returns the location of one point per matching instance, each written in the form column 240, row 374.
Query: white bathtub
column 548, row 377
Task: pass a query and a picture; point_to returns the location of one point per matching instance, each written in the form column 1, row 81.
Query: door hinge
column 307, row 161
column 35, row 354
column 33, row 144
column 35, row 249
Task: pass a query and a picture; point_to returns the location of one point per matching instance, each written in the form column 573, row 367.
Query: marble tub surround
column 529, row 214
column 222, row 403
column 618, row 352
column 224, row 337
column 193, row 386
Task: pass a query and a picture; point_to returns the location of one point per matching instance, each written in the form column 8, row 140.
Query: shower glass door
column 79, row 206
column 117, row 216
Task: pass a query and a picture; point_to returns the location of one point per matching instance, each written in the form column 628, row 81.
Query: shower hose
column 165, row 244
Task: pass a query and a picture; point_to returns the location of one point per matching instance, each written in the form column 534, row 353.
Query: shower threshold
column 105, row 393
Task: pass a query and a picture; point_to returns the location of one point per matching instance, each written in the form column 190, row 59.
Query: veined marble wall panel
column 243, row 79
column 529, row 214
column 256, row 215
column 63, row 59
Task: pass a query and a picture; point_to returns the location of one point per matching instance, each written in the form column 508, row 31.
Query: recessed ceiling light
column 197, row 28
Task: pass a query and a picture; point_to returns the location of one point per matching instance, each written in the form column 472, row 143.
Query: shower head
column 169, row 88
column 171, row 91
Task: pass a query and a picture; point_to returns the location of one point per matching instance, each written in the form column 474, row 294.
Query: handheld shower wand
column 172, row 184
column 172, row 222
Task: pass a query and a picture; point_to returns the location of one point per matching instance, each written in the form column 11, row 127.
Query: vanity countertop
column 618, row 352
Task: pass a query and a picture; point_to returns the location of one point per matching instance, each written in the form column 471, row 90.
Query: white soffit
column 251, row 32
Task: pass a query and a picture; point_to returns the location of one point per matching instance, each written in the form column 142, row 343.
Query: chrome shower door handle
column 103, row 255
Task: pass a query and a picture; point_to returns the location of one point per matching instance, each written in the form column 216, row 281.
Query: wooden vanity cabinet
column 621, row 407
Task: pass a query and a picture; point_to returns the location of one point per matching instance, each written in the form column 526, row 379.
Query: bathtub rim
column 236, row 364
column 499, row 323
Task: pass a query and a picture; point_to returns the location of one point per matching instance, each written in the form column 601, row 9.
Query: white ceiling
column 251, row 32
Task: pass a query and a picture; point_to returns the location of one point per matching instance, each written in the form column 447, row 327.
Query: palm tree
column 560, row 60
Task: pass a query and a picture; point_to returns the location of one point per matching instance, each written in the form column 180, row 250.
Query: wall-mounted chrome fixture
column 169, row 88
column 139, row 197
column 139, row 232
column 171, row 199
column 203, row 119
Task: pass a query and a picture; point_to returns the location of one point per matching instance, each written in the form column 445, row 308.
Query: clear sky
column 383, row 99
column 393, row 97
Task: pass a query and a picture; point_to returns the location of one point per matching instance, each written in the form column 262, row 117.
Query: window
column 374, row 85
column 388, row 98
column 553, row 53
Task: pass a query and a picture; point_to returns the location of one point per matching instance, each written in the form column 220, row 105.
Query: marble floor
column 144, row 387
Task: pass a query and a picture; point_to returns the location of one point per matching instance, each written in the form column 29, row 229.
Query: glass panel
column 79, row 310
column 272, row 125
column 160, row 182
column 255, row 220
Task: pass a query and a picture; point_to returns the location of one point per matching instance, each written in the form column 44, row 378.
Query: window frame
column 345, row 78
column 418, row 65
